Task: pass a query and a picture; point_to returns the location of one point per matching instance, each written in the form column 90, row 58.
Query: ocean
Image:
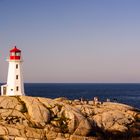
column 122, row 93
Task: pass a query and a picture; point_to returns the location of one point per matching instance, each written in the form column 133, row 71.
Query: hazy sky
column 72, row 40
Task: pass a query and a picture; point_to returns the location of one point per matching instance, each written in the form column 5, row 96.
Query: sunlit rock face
column 35, row 118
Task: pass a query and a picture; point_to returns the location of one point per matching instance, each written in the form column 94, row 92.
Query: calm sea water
column 123, row 93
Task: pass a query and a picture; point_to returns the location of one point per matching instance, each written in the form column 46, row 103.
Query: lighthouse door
column 4, row 90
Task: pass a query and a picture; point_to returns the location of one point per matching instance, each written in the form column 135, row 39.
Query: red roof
column 15, row 50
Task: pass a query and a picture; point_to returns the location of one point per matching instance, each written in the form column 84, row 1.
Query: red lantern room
column 15, row 54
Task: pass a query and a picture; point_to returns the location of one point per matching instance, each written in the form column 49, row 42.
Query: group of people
column 96, row 101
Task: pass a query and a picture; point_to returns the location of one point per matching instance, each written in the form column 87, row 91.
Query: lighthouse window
column 16, row 76
column 12, row 54
column 17, row 54
column 17, row 88
column 16, row 66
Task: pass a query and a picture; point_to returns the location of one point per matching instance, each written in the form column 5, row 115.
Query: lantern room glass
column 12, row 54
column 18, row 54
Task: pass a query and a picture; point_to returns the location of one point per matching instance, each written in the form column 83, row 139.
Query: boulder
column 36, row 118
column 37, row 112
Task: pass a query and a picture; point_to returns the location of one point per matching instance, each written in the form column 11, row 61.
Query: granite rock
column 36, row 118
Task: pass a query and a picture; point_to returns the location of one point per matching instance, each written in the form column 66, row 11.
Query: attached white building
column 15, row 85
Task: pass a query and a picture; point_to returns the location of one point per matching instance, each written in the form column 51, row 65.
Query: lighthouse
column 15, row 85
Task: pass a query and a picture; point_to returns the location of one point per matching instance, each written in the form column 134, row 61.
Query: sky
column 72, row 41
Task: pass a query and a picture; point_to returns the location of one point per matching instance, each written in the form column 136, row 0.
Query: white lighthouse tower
column 15, row 85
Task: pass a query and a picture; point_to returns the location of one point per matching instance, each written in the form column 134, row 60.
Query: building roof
column 15, row 50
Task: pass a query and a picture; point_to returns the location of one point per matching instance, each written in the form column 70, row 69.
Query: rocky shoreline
column 35, row 118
